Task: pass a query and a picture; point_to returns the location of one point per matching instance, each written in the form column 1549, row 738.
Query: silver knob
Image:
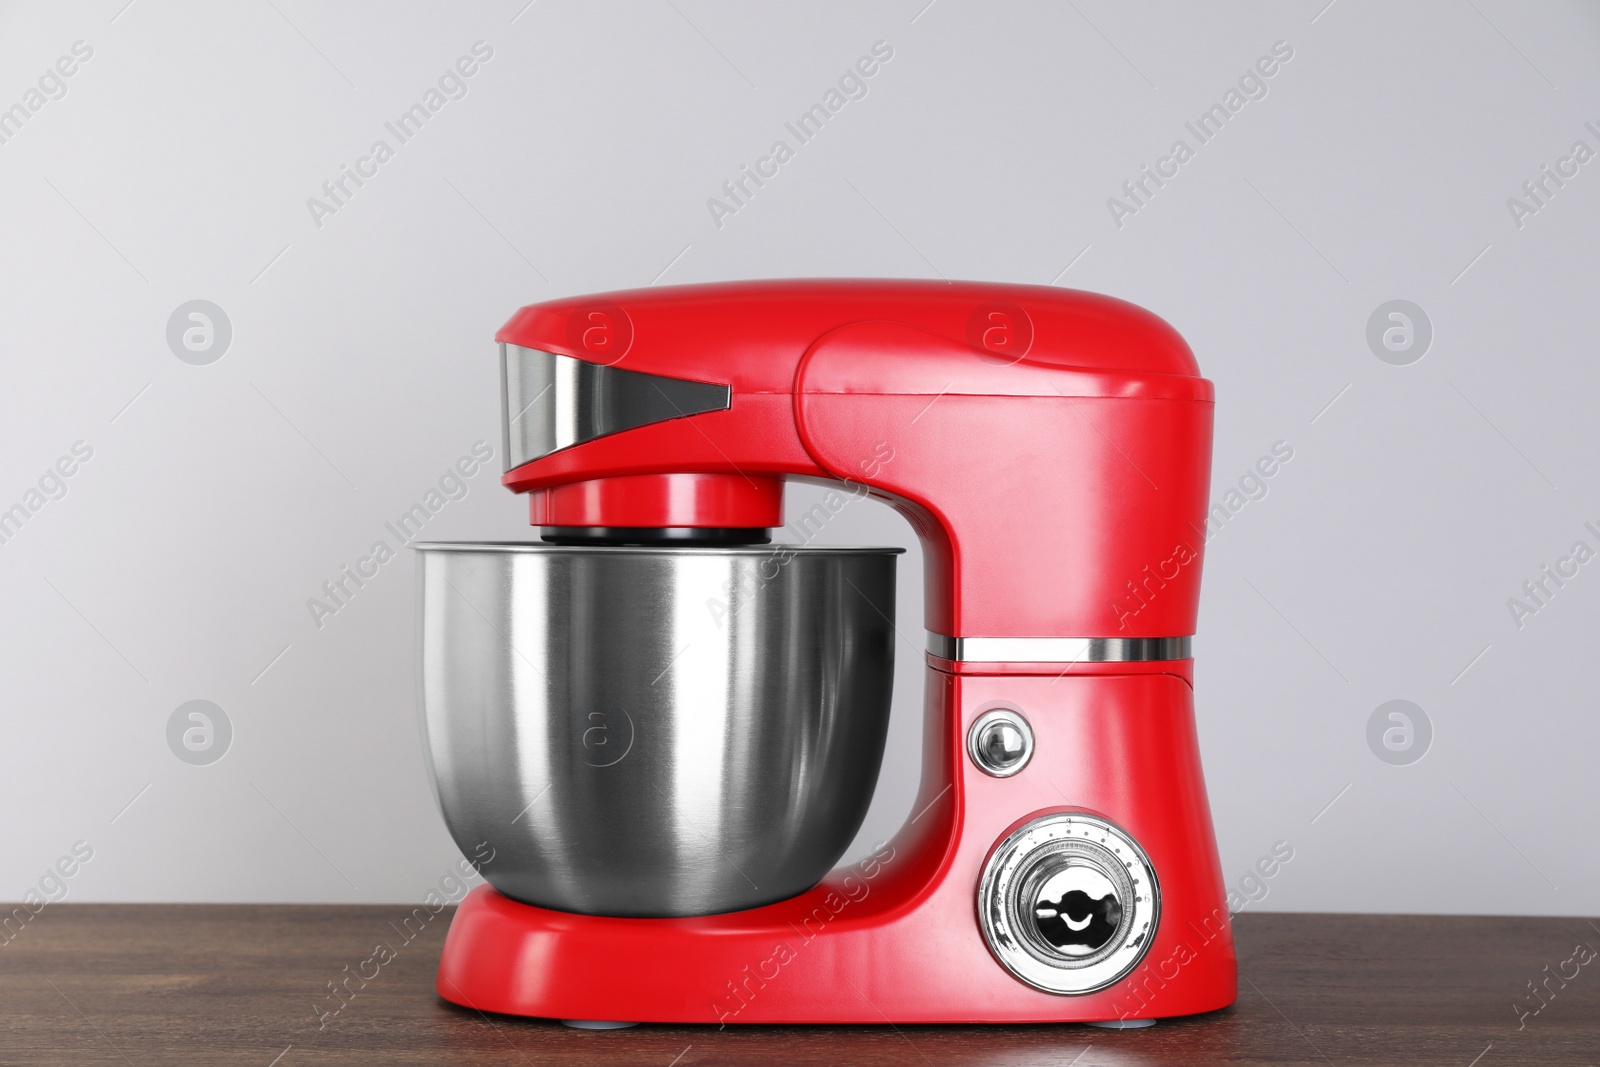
column 1000, row 742
column 1069, row 903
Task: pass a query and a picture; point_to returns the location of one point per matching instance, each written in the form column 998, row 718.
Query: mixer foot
column 595, row 1024
column 1123, row 1024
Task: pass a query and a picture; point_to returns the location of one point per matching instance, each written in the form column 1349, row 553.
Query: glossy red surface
column 1059, row 488
column 1052, row 450
column 752, row 334
column 660, row 500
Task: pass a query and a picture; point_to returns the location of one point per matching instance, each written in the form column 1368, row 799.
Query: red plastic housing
column 1052, row 449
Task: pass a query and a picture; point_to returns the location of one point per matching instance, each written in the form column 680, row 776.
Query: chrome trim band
column 1058, row 649
column 550, row 401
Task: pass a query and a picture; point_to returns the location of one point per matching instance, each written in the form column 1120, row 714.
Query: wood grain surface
column 90, row 984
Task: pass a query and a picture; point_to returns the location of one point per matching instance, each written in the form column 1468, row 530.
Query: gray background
column 219, row 497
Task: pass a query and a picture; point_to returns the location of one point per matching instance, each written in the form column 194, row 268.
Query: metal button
column 1000, row 742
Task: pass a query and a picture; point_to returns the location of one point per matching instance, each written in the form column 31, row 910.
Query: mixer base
column 894, row 938
column 755, row 967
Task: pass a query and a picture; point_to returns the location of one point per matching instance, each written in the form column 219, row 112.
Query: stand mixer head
column 1052, row 451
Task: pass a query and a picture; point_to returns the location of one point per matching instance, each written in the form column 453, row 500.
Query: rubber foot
column 595, row 1024
column 1123, row 1024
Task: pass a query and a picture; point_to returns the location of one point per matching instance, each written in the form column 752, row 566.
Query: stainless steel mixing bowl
column 655, row 731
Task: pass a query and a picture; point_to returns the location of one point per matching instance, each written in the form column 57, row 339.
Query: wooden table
column 164, row 984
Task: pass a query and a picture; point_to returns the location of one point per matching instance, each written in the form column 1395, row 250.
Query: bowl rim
column 541, row 548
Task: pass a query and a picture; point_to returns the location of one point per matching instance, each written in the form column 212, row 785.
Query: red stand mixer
column 667, row 730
